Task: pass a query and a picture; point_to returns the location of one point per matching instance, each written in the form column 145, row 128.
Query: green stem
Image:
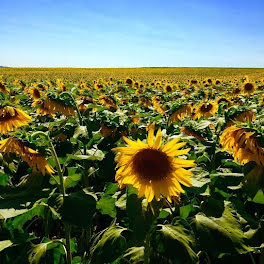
column 68, row 242
column 76, row 107
column 62, row 190
column 252, row 258
column 58, row 167
column 147, row 250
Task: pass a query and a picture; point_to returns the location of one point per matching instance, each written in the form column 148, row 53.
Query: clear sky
column 111, row 33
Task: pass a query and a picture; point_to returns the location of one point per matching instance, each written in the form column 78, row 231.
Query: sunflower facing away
column 11, row 117
column 152, row 168
column 242, row 145
column 34, row 159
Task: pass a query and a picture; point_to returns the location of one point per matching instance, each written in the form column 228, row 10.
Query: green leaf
column 39, row 251
column 5, row 244
column 92, row 154
column 106, row 205
column 174, row 243
column 111, row 188
column 108, row 245
column 134, row 255
column 259, row 197
column 80, row 131
column 78, row 209
column 8, row 213
column 221, row 235
column 186, row 210
column 4, row 178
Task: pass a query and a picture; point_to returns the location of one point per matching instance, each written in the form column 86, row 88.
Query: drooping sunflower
column 3, row 88
column 180, row 112
column 34, row 159
column 190, row 132
column 249, row 88
column 11, row 117
column 108, row 101
column 152, row 168
column 58, row 106
column 34, row 92
column 242, row 145
column 206, row 109
column 244, row 116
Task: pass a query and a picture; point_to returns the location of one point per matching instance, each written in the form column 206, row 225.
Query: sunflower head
column 11, row 117
column 242, row 144
column 249, row 88
column 153, row 168
column 206, row 109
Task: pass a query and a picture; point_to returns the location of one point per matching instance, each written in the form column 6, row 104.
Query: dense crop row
column 158, row 167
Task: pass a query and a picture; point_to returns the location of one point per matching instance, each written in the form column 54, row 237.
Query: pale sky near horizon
column 139, row 33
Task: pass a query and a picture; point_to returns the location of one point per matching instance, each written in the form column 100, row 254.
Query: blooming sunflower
column 152, row 168
column 249, row 88
column 34, row 159
column 11, row 117
column 167, row 88
column 242, row 145
column 225, row 101
column 206, row 109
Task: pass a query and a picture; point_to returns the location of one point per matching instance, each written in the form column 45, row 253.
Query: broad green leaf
column 221, row 235
column 78, row 209
column 108, row 245
column 174, row 243
column 106, row 205
column 134, row 255
column 5, row 244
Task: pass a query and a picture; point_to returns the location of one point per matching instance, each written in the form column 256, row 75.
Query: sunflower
column 11, row 117
column 180, row 112
column 108, row 101
column 34, row 159
column 248, row 88
column 153, row 168
column 225, row 101
column 236, row 91
column 167, row 88
column 107, row 131
column 129, row 81
column 261, row 100
column 57, row 106
column 3, row 88
column 242, row 144
column 192, row 133
column 34, row 92
column 193, row 82
column 206, row 109
column 244, row 116
column 41, row 110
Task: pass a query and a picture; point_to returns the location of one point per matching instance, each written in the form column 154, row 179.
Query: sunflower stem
column 252, row 258
column 76, row 108
column 58, row 167
column 62, row 190
column 147, row 249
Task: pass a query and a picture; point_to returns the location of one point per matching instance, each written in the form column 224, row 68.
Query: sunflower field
column 114, row 166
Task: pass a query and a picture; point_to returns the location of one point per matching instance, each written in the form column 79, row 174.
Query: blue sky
column 62, row 33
